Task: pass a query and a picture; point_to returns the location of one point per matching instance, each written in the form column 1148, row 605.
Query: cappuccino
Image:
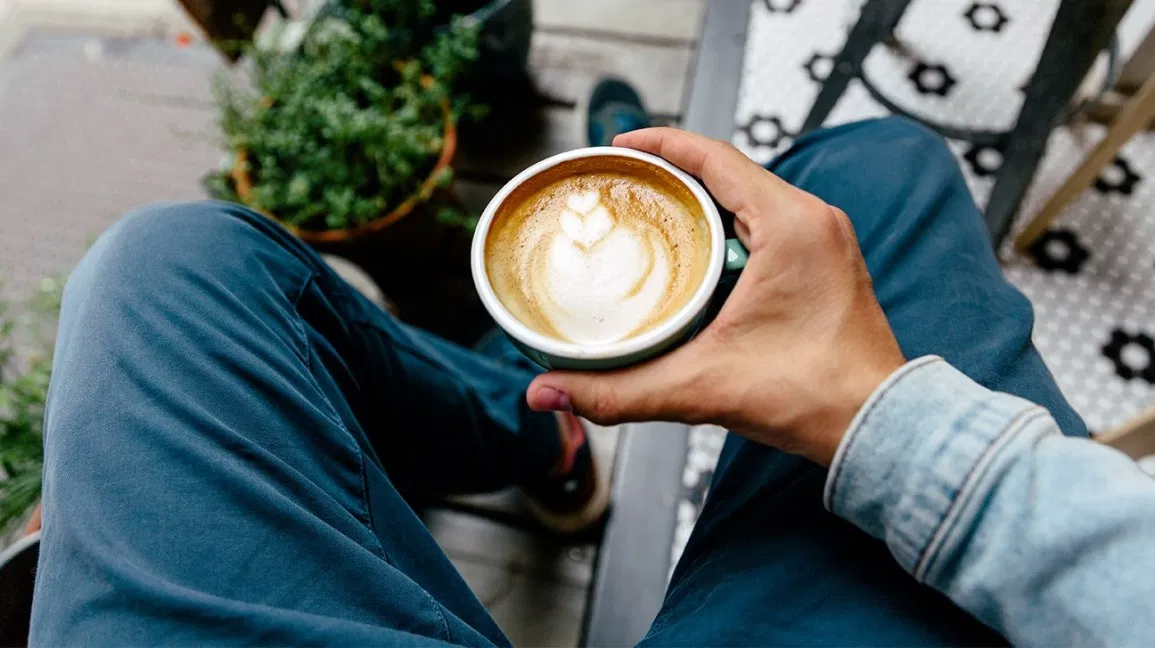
column 597, row 250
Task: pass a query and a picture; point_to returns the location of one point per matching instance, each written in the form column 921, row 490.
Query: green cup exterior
column 726, row 257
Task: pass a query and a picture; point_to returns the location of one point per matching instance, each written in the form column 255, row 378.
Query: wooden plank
column 530, row 611
column 634, row 559
column 1136, row 437
column 474, row 538
column 1140, row 67
column 674, row 20
column 565, row 68
column 713, row 92
column 1106, row 110
column 1135, row 116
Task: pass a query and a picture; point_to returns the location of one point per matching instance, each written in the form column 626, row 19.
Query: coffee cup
column 600, row 258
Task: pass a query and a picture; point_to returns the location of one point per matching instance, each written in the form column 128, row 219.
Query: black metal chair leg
column 876, row 22
column 1082, row 29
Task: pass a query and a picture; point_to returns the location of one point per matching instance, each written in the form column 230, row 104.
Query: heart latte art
column 597, row 250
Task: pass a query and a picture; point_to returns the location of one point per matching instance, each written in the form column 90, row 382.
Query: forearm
column 1047, row 539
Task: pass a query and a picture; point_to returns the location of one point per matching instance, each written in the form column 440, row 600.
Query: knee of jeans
column 905, row 139
column 155, row 224
column 153, row 243
column 892, row 146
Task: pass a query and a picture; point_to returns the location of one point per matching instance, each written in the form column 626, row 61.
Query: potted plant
column 354, row 129
column 505, row 29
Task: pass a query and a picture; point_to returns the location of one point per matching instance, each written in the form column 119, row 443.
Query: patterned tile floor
column 1091, row 278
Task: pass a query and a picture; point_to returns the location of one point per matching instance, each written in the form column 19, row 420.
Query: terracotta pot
column 244, row 188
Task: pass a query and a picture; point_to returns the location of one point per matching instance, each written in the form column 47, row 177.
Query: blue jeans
column 231, row 429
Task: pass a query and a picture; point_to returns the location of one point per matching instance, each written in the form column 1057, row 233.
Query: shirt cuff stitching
column 973, row 475
column 861, row 419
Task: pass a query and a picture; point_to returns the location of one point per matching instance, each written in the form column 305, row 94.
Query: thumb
column 649, row 392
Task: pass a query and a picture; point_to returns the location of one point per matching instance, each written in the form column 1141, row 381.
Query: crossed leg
column 230, row 429
column 766, row 563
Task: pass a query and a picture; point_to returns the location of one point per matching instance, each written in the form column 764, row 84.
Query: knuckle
column 838, row 215
column 602, row 408
column 728, row 147
column 830, row 222
column 842, row 218
column 845, row 226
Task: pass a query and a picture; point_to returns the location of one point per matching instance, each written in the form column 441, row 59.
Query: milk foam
column 601, row 280
column 597, row 250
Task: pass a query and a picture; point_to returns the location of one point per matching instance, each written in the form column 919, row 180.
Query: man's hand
column 796, row 350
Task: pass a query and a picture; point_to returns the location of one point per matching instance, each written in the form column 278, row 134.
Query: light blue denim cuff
column 916, row 452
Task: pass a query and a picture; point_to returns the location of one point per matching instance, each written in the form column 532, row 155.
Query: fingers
column 730, row 176
column 648, row 392
column 604, row 398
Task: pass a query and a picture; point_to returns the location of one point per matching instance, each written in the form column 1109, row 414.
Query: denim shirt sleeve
column 1050, row 540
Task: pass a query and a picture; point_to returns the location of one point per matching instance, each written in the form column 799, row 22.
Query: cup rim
column 622, row 348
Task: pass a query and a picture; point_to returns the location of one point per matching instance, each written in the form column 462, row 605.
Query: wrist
column 821, row 436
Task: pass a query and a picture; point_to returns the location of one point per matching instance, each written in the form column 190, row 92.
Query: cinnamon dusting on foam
column 597, row 250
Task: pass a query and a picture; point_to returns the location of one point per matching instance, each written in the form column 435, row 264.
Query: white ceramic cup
column 552, row 353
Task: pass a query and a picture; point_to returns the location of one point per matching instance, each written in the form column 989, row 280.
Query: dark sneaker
column 613, row 108
column 578, row 497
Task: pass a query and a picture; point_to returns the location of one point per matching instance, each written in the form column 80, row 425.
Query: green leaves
column 445, row 178
column 455, row 217
column 346, row 128
column 446, row 55
column 25, row 367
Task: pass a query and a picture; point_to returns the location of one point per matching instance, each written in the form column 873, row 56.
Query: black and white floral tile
column 1091, row 278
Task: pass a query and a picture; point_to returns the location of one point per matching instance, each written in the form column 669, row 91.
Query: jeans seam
column 929, row 553
column 351, row 305
column 402, row 345
column 306, row 347
column 396, row 342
